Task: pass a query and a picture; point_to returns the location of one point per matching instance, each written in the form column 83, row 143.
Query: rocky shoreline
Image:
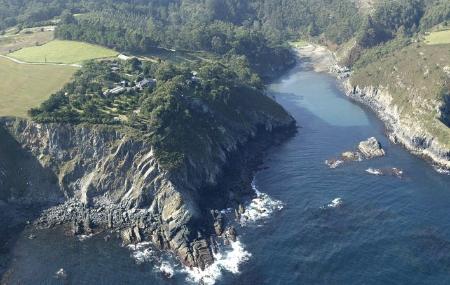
column 400, row 131
column 104, row 180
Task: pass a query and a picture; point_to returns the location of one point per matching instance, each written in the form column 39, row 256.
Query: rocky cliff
column 105, row 177
column 403, row 128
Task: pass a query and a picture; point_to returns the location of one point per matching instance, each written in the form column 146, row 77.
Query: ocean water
column 309, row 224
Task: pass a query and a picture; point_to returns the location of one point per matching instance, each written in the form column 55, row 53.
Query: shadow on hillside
column 26, row 188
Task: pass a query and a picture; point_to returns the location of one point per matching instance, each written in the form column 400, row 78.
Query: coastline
column 416, row 140
column 233, row 187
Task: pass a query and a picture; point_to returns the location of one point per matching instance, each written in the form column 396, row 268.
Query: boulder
column 218, row 223
column 203, row 256
column 351, row 155
column 77, row 228
column 131, row 235
column 237, row 215
column 231, row 234
column 371, row 148
column 137, row 234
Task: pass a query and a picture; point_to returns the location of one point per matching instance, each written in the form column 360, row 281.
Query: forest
column 177, row 114
column 257, row 30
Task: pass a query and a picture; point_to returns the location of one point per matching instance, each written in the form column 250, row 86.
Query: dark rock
column 203, row 256
column 218, row 224
column 77, row 228
column 137, row 234
column 231, row 234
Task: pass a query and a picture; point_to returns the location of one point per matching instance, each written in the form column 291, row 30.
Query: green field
column 62, row 52
column 24, row 86
column 438, row 38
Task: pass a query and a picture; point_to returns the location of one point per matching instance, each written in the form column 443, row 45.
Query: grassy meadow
column 416, row 77
column 58, row 51
column 438, row 38
column 24, row 86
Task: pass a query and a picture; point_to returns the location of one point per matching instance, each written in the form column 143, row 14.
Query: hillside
column 153, row 145
column 171, row 141
column 409, row 89
column 399, row 62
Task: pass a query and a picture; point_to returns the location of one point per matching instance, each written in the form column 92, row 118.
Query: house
column 115, row 91
column 145, row 83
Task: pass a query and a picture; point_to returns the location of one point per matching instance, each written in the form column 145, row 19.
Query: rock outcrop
column 110, row 178
column 402, row 129
column 371, row 148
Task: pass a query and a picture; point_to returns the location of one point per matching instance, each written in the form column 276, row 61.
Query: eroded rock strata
column 107, row 178
column 403, row 130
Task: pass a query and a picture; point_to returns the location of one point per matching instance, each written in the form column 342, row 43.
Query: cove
column 385, row 231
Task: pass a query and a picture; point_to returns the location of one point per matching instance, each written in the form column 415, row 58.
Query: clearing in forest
column 16, row 40
column 67, row 52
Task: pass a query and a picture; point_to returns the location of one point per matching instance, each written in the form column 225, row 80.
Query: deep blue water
column 386, row 231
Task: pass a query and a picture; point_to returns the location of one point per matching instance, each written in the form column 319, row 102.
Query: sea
column 309, row 224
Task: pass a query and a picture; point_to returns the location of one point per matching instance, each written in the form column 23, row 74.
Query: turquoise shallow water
column 385, row 230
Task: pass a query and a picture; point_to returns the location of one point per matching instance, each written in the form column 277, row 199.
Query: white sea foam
column 226, row 260
column 397, row 172
column 442, row 170
column 334, row 163
column 167, row 269
column 261, row 207
column 84, row 237
column 141, row 252
column 374, row 171
column 335, row 203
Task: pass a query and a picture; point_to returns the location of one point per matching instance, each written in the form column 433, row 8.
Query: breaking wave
column 261, row 207
column 84, row 237
column 334, row 163
column 374, row 171
column 335, row 203
column 226, row 260
column 141, row 252
column 442, row 170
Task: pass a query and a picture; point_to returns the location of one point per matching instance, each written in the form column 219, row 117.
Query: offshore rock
column 202, row 254
column 371, row 148
column 231, row 234
column 403, row 130
column 351, row 156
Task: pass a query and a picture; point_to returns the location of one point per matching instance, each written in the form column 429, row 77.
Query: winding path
column 39, row 63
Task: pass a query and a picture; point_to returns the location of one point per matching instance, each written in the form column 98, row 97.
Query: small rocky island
column 368, row 149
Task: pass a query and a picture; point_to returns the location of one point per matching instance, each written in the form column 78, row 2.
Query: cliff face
column 109, row 177
column 403, row 128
